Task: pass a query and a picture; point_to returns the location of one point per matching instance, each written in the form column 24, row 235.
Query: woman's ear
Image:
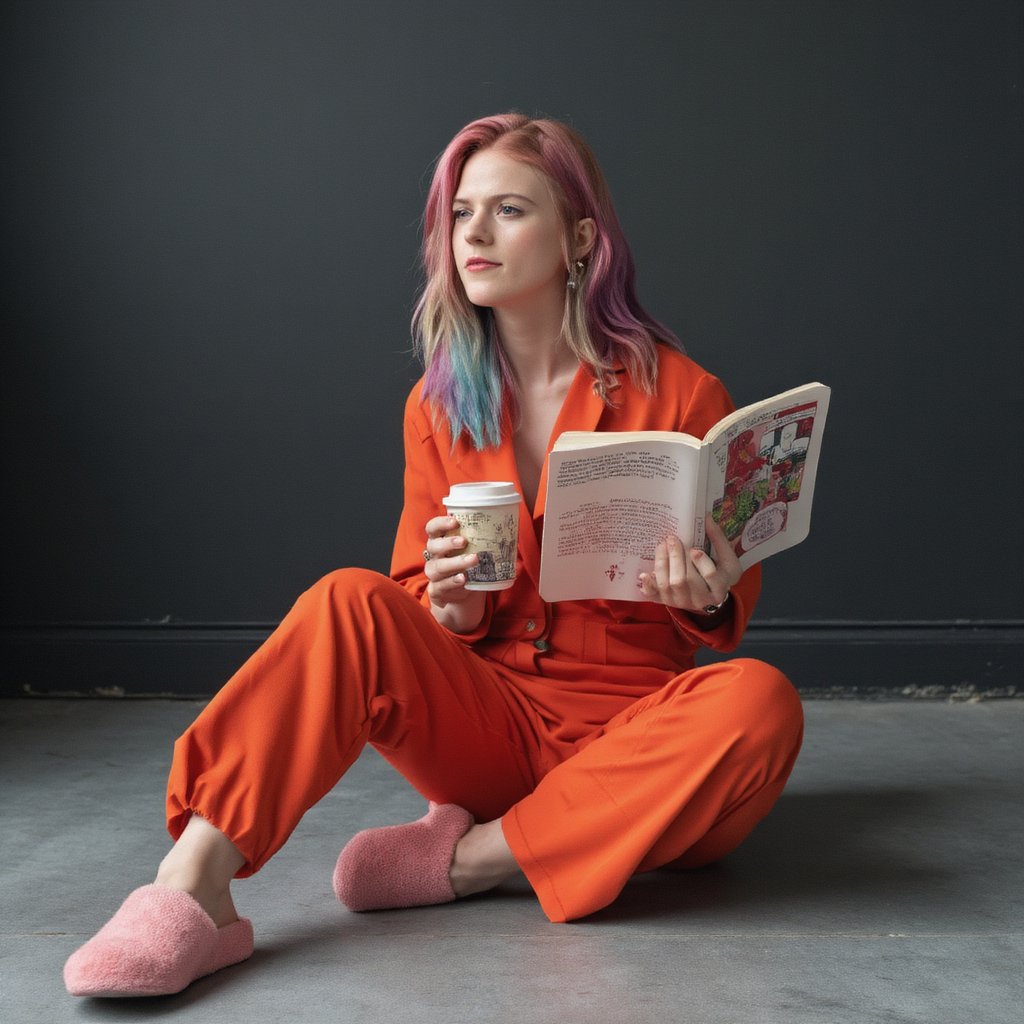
column 586, row 236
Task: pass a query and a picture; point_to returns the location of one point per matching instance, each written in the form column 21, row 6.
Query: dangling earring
column 576, row 270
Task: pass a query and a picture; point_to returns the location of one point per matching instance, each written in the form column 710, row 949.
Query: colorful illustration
column 763, row 473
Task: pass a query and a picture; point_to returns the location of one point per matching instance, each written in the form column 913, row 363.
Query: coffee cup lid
column 484, row 494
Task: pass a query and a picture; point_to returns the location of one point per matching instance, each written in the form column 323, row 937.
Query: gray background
column 210, row 230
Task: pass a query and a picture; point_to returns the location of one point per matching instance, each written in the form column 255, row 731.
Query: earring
column 576, row 270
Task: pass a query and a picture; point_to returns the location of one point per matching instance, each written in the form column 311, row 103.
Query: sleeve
column 709, row 402
column 426, row 482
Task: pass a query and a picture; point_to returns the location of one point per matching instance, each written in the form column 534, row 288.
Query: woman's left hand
column 692, row 580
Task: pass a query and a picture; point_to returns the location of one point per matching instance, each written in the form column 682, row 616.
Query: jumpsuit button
column 542, row 645
column 531, row 626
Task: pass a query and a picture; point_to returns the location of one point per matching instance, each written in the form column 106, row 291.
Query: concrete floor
column 886, row 886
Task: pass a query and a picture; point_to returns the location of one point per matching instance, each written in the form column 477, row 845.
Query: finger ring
column 427, row 556
column 710, row 609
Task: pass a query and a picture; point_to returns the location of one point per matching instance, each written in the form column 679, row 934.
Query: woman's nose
column 476, row 231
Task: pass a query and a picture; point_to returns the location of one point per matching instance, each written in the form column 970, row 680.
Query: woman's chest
column 531, row 440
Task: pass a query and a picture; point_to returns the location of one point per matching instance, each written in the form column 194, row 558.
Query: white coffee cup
column 488, row 515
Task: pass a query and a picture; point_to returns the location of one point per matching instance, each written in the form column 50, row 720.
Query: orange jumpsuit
column 583, row 725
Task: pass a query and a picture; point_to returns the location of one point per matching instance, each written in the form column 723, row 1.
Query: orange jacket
column 621, row 649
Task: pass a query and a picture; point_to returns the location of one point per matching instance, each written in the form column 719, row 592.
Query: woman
column 574, row 742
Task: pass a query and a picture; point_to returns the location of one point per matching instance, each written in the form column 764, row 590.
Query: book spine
column 700, row 498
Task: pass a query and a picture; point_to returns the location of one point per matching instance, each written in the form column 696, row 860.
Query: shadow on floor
column 835, row 845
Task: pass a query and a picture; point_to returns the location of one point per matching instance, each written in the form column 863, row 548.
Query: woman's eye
column 460, row 214
column 507, row 210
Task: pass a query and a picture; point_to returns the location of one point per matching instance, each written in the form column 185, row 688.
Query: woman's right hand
column 445, row 566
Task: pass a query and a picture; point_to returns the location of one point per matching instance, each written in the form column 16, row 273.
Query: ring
column 427, row 556
column 710, row 609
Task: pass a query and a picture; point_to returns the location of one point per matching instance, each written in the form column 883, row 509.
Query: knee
column 763, row 706
column 352, row 593
column 343, row 586
column 767, row 704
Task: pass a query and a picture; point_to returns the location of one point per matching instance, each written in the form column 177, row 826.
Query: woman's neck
column 532, row 342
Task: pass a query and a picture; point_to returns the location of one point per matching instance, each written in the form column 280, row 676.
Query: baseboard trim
column 824, row 658
column 914, row 659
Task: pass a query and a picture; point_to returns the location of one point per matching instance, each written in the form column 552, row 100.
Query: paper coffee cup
column 488, row 515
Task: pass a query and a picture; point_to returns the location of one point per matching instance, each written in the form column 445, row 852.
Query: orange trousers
column 677, row 778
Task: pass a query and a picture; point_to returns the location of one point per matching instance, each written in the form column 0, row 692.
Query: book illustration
column 764, row 470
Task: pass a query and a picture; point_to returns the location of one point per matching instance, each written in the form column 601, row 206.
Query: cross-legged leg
column 689, row 769
column 357, row 660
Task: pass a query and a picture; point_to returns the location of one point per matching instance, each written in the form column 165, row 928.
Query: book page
column 762, row 472
column 606, row 510
column 575, row 439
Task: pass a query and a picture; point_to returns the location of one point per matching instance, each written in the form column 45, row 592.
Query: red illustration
column 764, row 470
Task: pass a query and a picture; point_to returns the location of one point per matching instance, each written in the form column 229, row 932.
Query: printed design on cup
column 488, row 515
column 493, row 534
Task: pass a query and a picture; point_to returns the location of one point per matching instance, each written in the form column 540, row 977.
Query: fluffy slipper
column 402, row 865
column 158, row 942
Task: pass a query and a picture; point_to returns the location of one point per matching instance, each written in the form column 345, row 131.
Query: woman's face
column 506, row 234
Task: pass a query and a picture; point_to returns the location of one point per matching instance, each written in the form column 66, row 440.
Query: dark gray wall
column 210, row 225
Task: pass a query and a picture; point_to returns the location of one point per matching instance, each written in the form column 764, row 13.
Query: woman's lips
column 476, row 263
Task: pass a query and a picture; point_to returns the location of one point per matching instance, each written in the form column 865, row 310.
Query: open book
column 612, row 496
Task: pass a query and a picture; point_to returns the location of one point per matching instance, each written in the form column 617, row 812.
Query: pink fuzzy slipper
column 158, row 942
column 402, row 865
